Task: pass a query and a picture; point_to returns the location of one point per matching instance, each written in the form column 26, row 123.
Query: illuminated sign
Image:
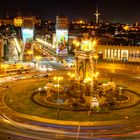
column 62, row 40
column 27, row 35
column 18, row 21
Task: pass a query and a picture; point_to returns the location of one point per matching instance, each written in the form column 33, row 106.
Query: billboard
column 62, row 41
column 27, row 35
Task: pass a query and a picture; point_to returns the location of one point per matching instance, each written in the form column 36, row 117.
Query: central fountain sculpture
column 85, row 61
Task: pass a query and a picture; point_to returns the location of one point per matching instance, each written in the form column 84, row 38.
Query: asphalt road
column 16, row 127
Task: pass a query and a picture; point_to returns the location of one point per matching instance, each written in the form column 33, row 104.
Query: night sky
column 124, row 11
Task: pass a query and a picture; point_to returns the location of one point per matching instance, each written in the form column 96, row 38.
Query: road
column 17, row 127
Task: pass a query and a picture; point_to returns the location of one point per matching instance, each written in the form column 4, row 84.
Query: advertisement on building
column 62, row 41
column 27, row 35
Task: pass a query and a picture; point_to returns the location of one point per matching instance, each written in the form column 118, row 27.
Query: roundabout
column 71, row 99
column 79, row 104
column 20, row 107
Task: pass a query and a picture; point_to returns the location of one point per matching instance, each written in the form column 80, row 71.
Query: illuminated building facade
column 17, row 21
column 119, row 53
column 27, row 36
column 1, row 49
column 61, row 35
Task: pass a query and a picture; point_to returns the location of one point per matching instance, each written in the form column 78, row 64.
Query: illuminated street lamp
column 5, row 66
column 120, row 90
column 71, row 75
column 39, row 89
column 96, row 58
column 95, row 75
column 58, row 79
column 30, row 53
column 38, row 58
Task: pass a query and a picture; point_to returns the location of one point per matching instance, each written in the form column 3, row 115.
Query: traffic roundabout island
column 27, row 99
column 74, row 97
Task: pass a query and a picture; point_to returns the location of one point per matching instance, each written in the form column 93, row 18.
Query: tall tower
column 97, row 14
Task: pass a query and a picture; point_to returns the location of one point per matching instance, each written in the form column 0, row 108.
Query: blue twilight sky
column 126, row 11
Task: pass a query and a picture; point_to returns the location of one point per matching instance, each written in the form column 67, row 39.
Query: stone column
column 105, row 54
column 120, row 54
column 76, row 70
column 116, row 54
column 92, row 71
column 108, row 54
column 134, row 55
column 129, row 55
column 137, row 55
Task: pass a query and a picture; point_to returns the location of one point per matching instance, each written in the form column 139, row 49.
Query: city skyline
column 111, row 11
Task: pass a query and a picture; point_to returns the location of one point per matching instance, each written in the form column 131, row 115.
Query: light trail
column 45, row 43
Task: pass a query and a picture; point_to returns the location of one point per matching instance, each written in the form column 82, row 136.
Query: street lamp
column 5, row 66
column 30, row 53
column 38, row 59
column 120, row 90
column 45, row 88
column 39, row 89
column 58, row 78
column 71, row 75
column 96, row 58
column 95, row 75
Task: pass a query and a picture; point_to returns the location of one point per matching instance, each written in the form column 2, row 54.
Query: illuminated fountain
column 81, row 90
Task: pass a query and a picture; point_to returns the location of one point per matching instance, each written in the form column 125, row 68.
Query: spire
column 97, row 14
column 136, row 24
column 19, row 12
column 30, row 13
column 7, row 15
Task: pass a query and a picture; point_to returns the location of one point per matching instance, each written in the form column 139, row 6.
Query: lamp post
column 39, row 89
column 30, row 53
column 96, row 58
column 95, row 62
column 58, row 79
column 120, row 90
column 5, row 66
column 38, row 59
column 71, row 75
